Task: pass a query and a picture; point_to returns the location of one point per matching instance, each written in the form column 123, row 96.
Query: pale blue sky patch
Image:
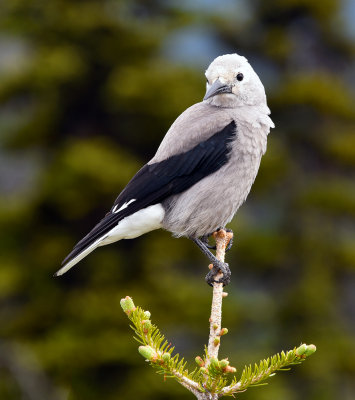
column 195, row 46
column 348, row 15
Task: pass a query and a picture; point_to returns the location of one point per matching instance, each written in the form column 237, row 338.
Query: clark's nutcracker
column 202, row 171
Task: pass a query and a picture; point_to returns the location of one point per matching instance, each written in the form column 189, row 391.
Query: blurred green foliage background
column 87, row 91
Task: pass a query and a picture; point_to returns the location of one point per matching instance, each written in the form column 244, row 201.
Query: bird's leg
column 204, row 239
column 217, row 265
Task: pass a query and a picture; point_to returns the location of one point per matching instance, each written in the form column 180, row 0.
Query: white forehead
column 226, row 64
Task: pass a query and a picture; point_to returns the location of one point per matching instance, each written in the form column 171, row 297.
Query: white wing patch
column 142, row 221
column 125, row 205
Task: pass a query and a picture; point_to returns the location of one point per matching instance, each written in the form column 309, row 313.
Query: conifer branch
column 267, row 368
column 157, row 350
column 212, row 377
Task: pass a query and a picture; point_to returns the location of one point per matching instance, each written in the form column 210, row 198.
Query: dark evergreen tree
column 77, row 81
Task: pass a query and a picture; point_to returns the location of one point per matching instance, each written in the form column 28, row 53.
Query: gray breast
column 212, row 202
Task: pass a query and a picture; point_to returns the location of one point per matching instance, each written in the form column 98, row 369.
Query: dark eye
column 240, row 77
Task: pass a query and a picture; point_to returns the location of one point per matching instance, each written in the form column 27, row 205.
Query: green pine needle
column 252, row 377
column 158, row 351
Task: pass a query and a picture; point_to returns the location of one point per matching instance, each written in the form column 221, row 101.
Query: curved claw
column 219, row 267
column 204, row 239
column 210, row 276
column 210, row 279
column 229, row 245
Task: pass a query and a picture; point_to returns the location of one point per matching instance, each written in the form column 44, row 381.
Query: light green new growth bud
column 199, row 361
column 224, row 363
column 127, row 305
column 147, row 352
column 300, row 350
column 216, row 341
column 223, row 331
column 310, row 350
column 214, row 363
column 215, row 326
column 146, row 325
column 204, row 370
column 147, row 314
column 166, row 357
column 230, row 370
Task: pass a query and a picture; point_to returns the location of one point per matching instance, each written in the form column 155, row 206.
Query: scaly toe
column 219, row 267
column 204, row 239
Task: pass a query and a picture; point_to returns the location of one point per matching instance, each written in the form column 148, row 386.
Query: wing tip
column 65, row 266
column 61, row 271
column 75, row 256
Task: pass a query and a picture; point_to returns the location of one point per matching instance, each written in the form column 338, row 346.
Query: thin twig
column 231, row 389
column 222, row 239
column 189, row 384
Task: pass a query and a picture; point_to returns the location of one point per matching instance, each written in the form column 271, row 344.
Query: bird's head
column 232, row 82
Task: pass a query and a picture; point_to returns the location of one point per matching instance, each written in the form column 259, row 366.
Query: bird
column 202, row 171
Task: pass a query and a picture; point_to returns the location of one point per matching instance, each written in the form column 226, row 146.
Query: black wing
column 155, row 182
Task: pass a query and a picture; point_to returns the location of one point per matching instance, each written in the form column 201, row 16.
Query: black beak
column 217, row 88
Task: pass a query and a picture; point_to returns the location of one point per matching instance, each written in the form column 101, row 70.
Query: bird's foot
column 204, row 240
column 219, row 266
column 230, row 243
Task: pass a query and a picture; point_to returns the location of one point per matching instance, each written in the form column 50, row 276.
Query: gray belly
column 212, row 202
